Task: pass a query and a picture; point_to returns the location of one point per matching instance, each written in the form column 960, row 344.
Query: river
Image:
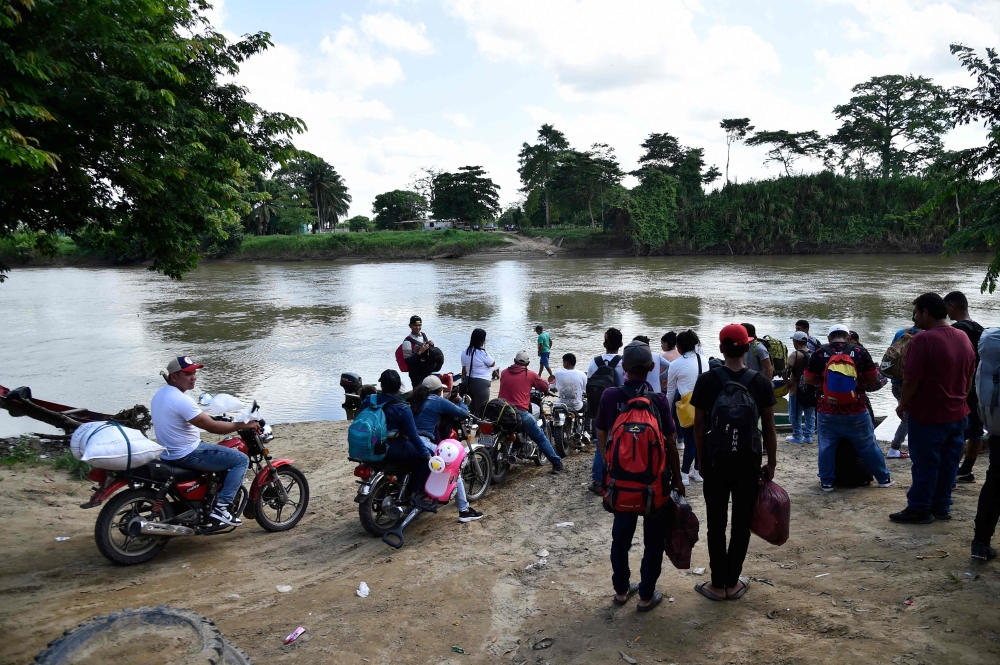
column 283, row 332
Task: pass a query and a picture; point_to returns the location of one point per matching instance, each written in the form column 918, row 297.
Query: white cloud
column 459, row 120
column 396, row 33
column 350, row 63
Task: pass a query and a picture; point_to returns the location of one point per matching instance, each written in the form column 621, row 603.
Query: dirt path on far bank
column 467, row 584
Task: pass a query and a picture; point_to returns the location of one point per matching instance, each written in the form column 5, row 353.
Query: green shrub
column 76, row 469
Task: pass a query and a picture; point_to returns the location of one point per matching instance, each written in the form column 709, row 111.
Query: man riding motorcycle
column 177, row 419
column 516, row 383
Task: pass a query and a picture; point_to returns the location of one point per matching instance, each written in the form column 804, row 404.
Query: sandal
column 739, row 594
column 700, row 588
column 633, row 589
column 653, row 602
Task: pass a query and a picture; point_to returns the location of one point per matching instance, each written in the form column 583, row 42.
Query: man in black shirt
column 958, row 311
column 731, row 473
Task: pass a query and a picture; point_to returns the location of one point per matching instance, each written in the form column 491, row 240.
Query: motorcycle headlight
column 268, row 434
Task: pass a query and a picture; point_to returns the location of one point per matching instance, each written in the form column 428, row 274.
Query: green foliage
column 326, row 189
column 538, row 163
column 123, row 115
column 360, row 223
column 398, row 205
column 468, row 196
column 512, row 215
column 380, row 244
column 76, row 469
column 665, row 153
column 581, row 178
column 786, row 147
column 736, row 130
column 21, row 452
column 652, row 210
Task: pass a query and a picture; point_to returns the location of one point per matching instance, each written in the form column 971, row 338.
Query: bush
column 76, row 469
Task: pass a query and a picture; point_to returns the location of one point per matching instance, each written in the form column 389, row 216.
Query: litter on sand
column 909, row 601
column 698, row 571
column 284, row 588
column 232, row 596
column 295, row 635
column 542, row 553
column 458, row 649
column 630, row 661
column 363, row 590
column 60, row 539
column 823, row 575
column 773, row 614
column 543, row 643
column 564, row 524
column 934, row 556
column 670, row 599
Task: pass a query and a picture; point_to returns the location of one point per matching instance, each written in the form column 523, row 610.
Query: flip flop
column 653, row 602
column 700, row 588
column 633, row 589
column 739, row 594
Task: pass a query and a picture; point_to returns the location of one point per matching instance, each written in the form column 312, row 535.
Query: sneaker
column 896, row 453
column 224, row 516
column 966, row 478
column 793, row 439
column 826, row 487
column 695, row 476
column 595, row 487
column 982, row 551
column 941, row 516
column 910, row 516
column 557, row 469
column 470, row 515
column 888, row 483
column 685, row 479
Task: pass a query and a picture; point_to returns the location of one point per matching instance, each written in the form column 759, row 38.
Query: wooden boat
column 20, row 402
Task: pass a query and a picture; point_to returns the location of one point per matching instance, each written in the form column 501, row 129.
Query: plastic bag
column 772, row 513
column 680, row 531
column 223, row 403
column 107, row 445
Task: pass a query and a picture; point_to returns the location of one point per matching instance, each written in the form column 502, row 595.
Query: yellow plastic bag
column 685, row 410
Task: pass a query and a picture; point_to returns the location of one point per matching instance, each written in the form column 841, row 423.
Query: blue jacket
column 435, row 407
column 398, row 417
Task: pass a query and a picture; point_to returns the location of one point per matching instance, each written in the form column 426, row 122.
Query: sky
column 388, row 87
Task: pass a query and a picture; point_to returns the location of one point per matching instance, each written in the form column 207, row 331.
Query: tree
column 359, row 223
column 423, row 181
column 736, row 130
column 396, row 206
column 121, row 116
column 538, row 163
column 468, row 195
column 580, row 177
column 786, row 147
column 652, row 209
column 513, row 215
column 898, row 120
column 326, row 188
column 665, row 153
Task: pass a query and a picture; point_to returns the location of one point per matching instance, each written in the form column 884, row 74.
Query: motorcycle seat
column 161, row 471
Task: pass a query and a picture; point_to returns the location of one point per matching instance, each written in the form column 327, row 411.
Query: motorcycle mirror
column 205, row 399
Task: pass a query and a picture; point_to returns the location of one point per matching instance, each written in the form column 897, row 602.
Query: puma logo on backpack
column 733, row 426
column 636, row 460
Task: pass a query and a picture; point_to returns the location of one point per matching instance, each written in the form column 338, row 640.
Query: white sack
column 223, row 403
column 102, row 445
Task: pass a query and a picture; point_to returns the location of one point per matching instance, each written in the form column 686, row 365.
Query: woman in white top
column 684, row 373
column 477, row 371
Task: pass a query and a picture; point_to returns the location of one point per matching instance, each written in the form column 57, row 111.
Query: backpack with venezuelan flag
column 840, row 376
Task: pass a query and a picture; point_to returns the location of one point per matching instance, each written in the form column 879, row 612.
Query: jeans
column 989, row 498
column 935, row 451
column 690, row 449
column 212, row 457
column 404, row 454
column 897, row 438
column 461, row 498
column 535, row 433
column 622, row 531
column 802, row 418
column 858, row 430
column 740, row 481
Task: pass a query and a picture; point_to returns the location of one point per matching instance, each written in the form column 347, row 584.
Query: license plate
column 487, row 440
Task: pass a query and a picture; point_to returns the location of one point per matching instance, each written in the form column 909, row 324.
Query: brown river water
column 283, row 332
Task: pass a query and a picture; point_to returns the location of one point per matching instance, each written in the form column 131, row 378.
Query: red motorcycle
column 163, row 501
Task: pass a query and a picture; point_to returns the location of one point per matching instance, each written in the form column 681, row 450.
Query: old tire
column 167, row 634
column 117, row 546
column 268, row 501
column 233, row 655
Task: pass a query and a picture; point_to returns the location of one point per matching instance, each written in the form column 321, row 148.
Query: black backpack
column 850, row 468
column 500, row 412
column 603, row 378
column 733, row 423
column 807, row 395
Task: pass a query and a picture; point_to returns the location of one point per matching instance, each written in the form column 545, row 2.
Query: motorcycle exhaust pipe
column 140, row 526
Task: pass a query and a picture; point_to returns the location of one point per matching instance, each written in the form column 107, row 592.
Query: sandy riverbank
column 466, row 584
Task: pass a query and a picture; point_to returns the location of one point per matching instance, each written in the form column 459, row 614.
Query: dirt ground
column 818, row 599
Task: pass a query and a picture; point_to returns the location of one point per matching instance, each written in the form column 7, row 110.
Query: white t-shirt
column 684, row 374
column 620, row 371
column 172, row 412
column 572, row 386
column 479, row 366
column 653, row 378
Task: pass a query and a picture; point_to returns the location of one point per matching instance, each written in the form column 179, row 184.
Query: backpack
column 400, row 358
column 849, row 468
column 733, row 422
column 603, row 378
column 367, row 434
column 636, row 460
column 778, row 352
column 840, row 377
column 807, row 395
column 987, row 383
column 503, row 414
column 894, row 359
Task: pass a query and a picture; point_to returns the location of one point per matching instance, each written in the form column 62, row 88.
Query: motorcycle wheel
column 373, row 519
column 476, row 483
column 501, row 466
column 270, row 510
column 559, row 442
column 111, row 529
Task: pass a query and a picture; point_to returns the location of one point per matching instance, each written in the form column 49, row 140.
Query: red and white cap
column 182, row 364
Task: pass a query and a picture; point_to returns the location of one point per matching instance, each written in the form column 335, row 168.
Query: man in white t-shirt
column 571, row 383
column 177, row 419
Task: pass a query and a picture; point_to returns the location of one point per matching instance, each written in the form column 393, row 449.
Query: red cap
column 735, row 332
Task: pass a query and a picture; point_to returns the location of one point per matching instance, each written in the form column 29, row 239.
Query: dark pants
column 690, row 450
column 405, row 455
column 935, row 450
column 479, row 392
column 739, row 480
column 652, row 555
column 989, row 498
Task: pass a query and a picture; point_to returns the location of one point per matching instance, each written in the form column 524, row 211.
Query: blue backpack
column 988, row 379
column 366, row 435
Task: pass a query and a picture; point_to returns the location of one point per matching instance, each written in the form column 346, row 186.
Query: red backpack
column 401, row 360
column 840, row 378
column 636, row 460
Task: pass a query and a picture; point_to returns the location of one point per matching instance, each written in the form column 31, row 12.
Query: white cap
column 432, row 383
column 522, row 358
column 838, row 328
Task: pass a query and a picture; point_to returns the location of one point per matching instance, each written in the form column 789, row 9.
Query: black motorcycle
column 508, row 443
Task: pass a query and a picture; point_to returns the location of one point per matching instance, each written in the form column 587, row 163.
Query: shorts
column 543, row 358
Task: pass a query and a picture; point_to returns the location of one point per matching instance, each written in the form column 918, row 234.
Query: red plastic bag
column 772, row 513
column 680, row 531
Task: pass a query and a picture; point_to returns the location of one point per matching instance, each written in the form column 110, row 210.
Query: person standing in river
column 477, row 372
column 958, row 311
column 544, row 349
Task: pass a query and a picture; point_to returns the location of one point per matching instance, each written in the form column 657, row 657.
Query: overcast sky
column 390, row 86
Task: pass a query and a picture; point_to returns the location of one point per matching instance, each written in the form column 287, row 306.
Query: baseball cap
column 735, row 332
column 432, row 383
column 522, row 358
column 182, row 364
column 415, row 319
column 390, row 381
column 838, row 328
column 636, row 354
column 800, row 336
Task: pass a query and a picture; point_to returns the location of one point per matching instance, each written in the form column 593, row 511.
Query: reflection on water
column 283, row 333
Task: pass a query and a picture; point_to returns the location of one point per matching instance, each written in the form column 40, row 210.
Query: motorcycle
column 566, row 428
column 151, row 504
column 507, row 446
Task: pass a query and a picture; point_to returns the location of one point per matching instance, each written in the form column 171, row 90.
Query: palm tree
column 326, row 187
